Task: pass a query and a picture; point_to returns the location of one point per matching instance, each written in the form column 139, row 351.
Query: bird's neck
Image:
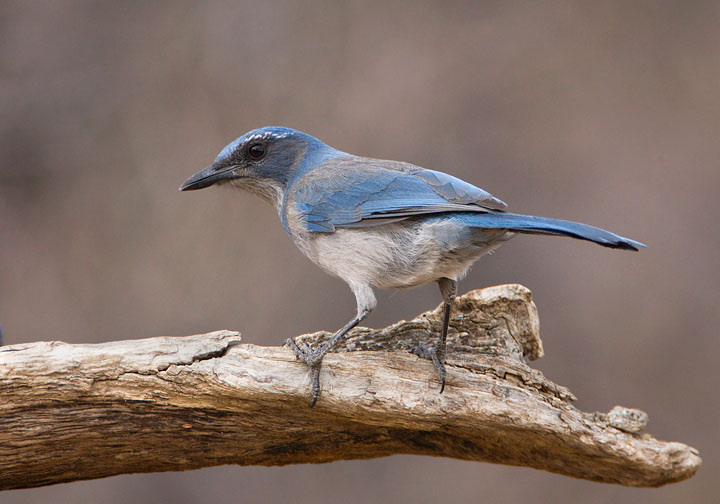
column 314, row 156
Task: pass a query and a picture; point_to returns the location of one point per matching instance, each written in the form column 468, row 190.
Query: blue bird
column 377, row 223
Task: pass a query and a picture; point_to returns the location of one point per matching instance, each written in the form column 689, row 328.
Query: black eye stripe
column 256, row 150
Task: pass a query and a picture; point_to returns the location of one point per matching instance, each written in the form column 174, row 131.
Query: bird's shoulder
column 349, row 169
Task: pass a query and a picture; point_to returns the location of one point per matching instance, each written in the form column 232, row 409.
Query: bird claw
column 431, row 353
column 313, row 359
column 305, row 352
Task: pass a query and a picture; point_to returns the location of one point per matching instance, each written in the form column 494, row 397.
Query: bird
column 377, row 223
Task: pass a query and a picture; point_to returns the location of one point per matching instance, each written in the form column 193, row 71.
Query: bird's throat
column 267, row 189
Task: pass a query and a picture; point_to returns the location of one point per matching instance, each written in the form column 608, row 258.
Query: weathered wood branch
column 71, row 412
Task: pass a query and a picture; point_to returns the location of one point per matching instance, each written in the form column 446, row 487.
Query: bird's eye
column 256, row 150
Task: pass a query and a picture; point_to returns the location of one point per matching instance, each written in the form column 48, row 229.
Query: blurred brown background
column 606, row 113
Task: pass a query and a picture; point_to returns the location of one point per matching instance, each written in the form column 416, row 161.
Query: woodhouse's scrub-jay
column 377, row 223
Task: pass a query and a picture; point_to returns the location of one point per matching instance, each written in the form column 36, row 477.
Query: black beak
column 209, row 176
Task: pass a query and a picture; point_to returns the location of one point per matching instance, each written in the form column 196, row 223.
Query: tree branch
column 72, row 412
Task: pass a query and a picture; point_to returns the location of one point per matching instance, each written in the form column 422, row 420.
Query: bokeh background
column 602, row 112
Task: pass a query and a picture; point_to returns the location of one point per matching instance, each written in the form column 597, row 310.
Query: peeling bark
column 72, row 412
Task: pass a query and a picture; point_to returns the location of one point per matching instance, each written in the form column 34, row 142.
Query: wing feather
column 358, row 192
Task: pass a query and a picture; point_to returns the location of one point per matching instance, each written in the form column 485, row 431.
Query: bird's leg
column 313, row 358
column 448, row 289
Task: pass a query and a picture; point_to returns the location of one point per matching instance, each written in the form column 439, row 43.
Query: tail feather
column 544, row 225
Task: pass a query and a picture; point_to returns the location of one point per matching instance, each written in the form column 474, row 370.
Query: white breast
column 398, row 255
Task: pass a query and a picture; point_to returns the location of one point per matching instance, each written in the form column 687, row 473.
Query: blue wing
column 359, row 192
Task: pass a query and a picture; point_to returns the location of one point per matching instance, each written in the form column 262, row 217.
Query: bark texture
column 72, row 412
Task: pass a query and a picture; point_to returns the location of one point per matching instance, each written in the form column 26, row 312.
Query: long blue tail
column 544, row 225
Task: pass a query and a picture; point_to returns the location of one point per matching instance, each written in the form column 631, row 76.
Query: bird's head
column 262, row 161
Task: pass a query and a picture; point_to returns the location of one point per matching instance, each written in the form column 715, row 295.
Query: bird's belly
column 403, row 254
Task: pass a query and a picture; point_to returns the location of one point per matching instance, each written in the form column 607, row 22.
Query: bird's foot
column 313, row 358
column 431, row 352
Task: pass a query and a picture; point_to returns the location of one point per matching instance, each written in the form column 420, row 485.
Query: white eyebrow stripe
column 267, row 134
